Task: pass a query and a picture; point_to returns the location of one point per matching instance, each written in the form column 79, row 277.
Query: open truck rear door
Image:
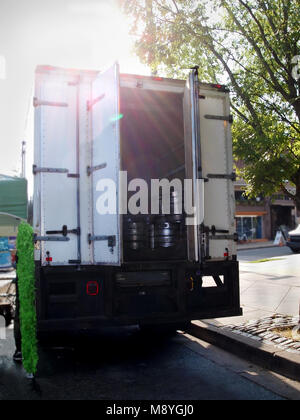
column 209, row 164
column 77, row 156
column 105, row 121
column 217, row 170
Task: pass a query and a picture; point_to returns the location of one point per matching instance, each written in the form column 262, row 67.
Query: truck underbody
column 135, row 294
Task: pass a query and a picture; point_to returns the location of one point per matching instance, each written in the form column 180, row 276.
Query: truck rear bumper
column 95, row 297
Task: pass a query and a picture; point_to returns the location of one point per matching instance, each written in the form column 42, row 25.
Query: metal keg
column 151, row 233
column 165, row 234
column 135, row 235
column 176, row 206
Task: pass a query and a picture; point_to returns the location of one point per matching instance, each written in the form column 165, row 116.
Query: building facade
column 259, row 219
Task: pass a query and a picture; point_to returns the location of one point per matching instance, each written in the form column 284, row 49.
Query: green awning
column 13, row 196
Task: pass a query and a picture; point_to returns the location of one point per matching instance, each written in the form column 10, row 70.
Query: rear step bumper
column 105, row 297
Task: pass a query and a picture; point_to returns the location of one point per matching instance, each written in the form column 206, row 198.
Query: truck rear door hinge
column 65, row 231
column 233, row 237
column 222, row 238
column 37, row 103
column 111, row 240
column 51, row 239
column 37, row 170
column 220, row 118
column 91, row 169
column 93, row 102
column 214, row 230
column 231, row 177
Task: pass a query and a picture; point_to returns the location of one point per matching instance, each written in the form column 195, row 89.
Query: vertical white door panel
column 85, row 153
column 216, row 151
column 56, row 115
column 104, row 106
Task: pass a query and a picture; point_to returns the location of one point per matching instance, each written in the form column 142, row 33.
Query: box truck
column 105, row 140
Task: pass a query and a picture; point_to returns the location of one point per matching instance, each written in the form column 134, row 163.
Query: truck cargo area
column 152, row 144
column 152, row 134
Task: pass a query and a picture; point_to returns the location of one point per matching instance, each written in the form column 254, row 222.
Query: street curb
column 256, row 248
column 266, row 356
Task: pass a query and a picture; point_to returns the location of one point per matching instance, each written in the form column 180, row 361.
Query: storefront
column 250, row 226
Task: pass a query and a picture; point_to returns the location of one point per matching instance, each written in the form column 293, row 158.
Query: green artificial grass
column 27, row 296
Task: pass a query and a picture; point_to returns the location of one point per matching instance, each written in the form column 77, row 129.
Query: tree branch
column 176, row 6
column 238, row 89
column 263, row 35
column 287, row 192
column 240, row 113
column 270, row 20
column 259, row 53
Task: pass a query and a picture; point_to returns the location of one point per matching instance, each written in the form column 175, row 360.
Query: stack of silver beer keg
column 156, row 231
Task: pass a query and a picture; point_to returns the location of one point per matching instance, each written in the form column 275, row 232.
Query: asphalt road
column 125, row 364
column 263, row 253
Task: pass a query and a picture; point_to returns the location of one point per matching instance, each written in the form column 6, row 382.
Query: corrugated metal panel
column 13, row 196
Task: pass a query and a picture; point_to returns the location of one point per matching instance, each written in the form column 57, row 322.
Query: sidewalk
column 270, row 296
column 7, row 275
column 6, row 278
column 268, row 288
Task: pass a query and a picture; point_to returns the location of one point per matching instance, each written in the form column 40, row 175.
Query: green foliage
column 250, row 45
column 26, row 283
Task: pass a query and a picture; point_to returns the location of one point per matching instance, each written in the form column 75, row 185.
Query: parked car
column 294, row 240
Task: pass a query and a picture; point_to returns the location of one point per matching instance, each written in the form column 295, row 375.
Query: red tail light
column 217, row 86
column 92, row 288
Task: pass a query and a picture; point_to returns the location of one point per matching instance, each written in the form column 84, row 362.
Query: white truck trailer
column 98, row 269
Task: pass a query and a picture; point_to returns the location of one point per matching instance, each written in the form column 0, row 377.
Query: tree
column 253, row 46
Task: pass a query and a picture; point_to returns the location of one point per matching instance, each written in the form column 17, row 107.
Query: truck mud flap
column 214, row 291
